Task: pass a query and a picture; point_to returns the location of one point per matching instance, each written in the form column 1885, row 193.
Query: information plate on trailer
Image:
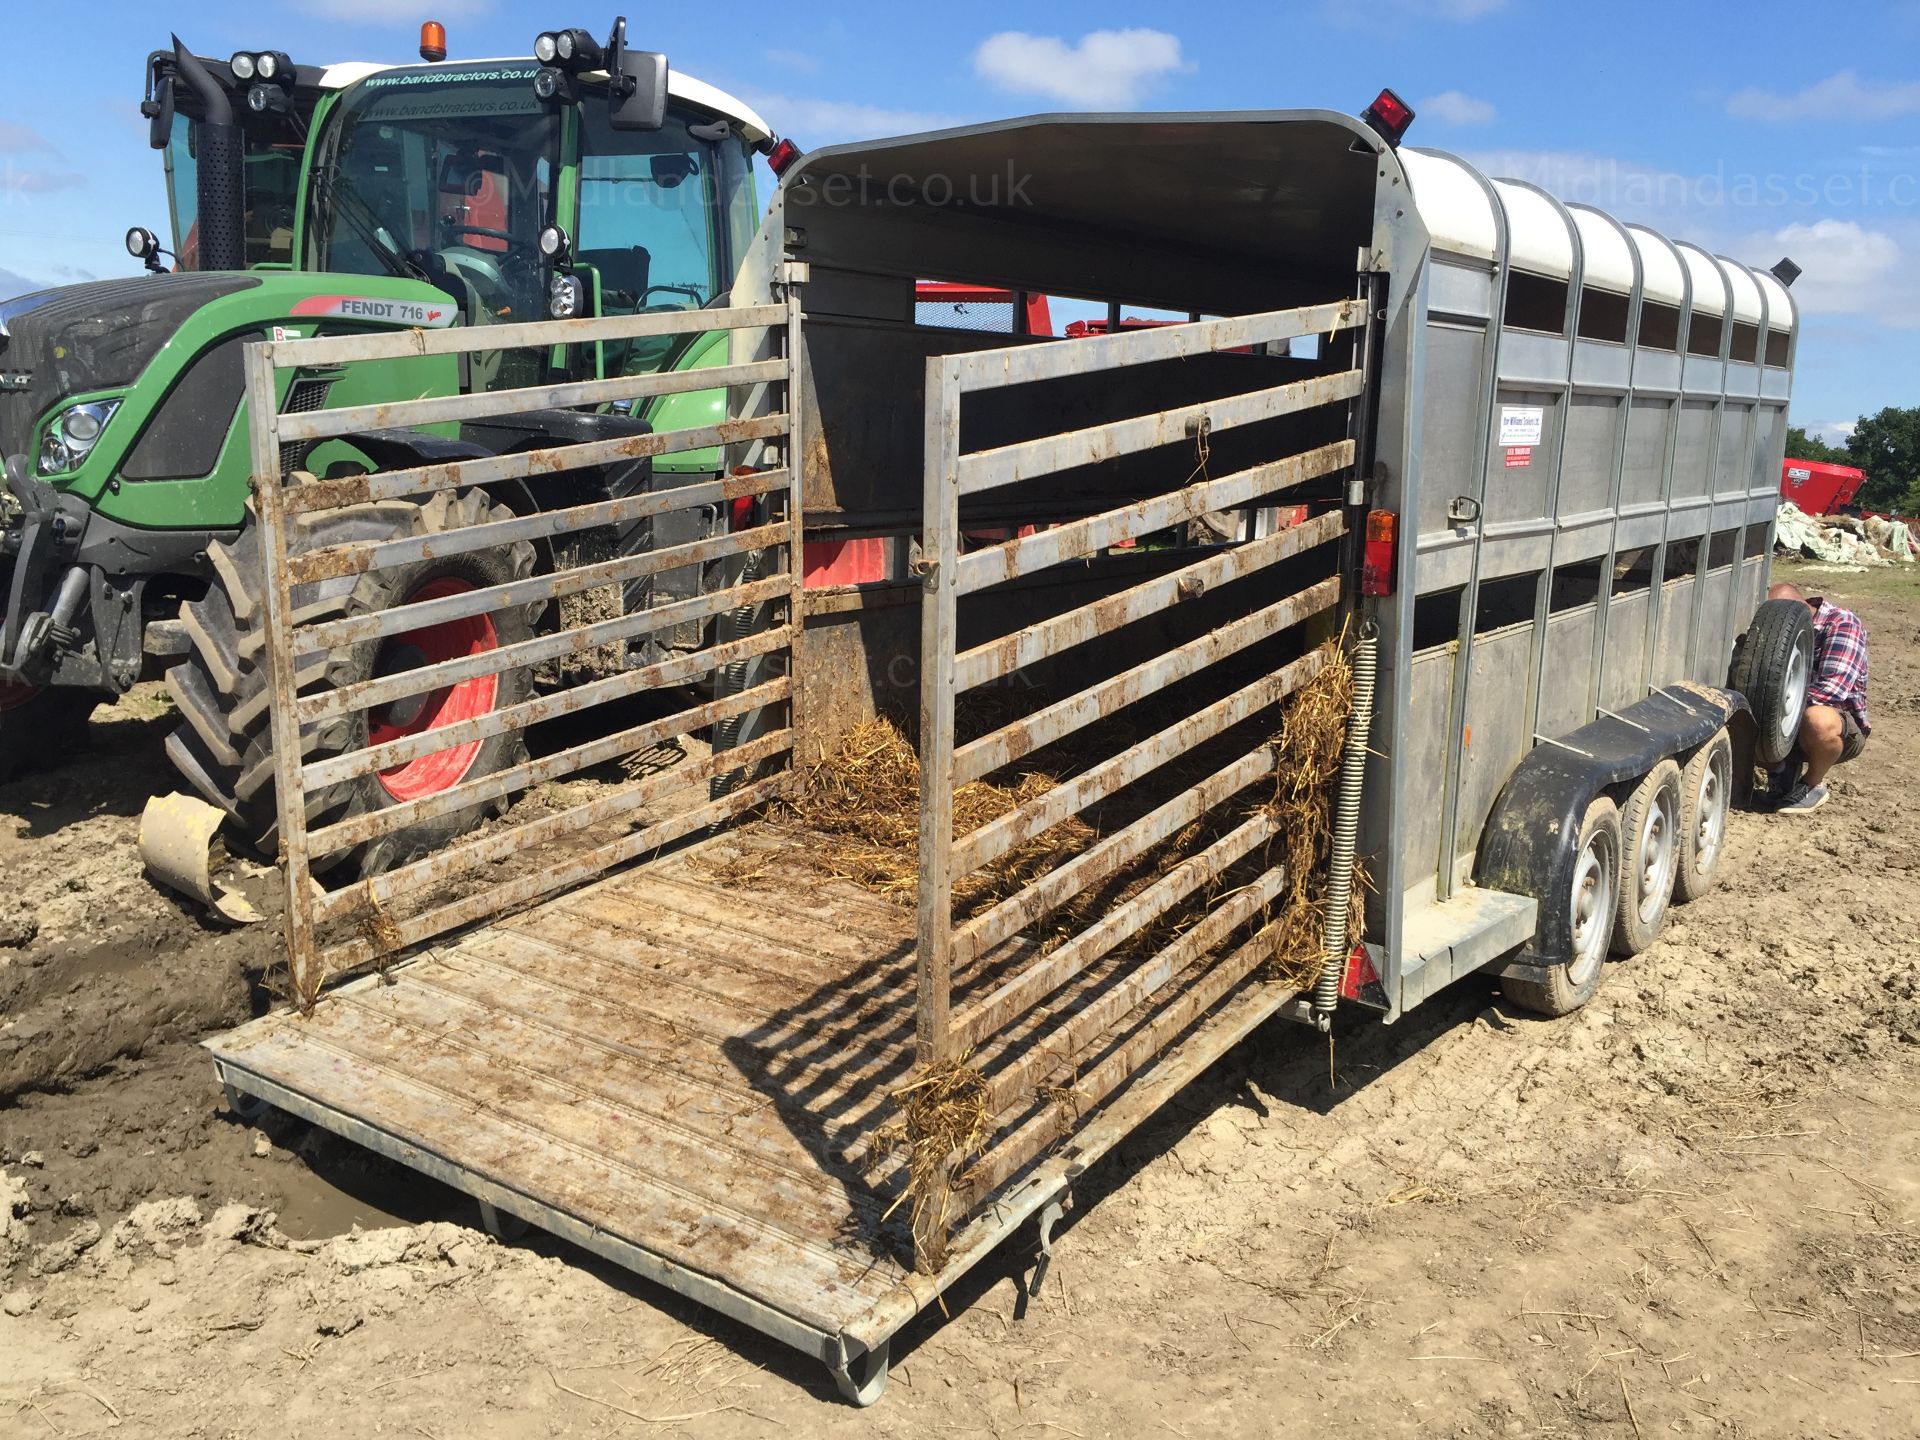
column 1519, row 457
column 1522, row 424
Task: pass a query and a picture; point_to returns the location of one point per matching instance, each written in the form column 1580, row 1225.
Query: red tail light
column 781, row 157
column 1390, row 116
column 740, row 515
column 1377, row 556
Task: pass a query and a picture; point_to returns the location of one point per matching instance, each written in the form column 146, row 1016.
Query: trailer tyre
column 1592, row 911
column 1706, row 799
column 1773, row 667
column 1649, row 857
column 224, row 747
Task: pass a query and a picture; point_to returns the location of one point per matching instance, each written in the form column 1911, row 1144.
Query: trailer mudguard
column 1525, row 848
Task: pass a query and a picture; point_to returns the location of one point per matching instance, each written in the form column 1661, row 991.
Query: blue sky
column 1757, row 130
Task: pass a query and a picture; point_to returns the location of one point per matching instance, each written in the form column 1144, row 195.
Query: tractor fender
column 1527, row 845
column 404, row 449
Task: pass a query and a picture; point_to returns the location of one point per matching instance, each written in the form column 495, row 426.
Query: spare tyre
column 1773, row 668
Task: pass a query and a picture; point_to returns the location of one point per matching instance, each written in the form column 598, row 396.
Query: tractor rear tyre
column 224, row 748
column 1773, row 668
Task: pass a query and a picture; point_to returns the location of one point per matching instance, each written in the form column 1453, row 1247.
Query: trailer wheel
column 1649, row 856
column 225, row 748
column 1591, row 914
column 1706, row 798
column 1773, row 667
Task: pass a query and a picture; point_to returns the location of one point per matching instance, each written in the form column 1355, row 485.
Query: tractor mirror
column 669, row 170
column 160, row 114
column 636, row 84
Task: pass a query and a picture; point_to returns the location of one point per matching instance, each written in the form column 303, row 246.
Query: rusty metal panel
column 374, row 876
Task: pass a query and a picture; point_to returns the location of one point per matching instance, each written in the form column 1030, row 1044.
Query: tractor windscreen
column 272, row 161
column 664, row 217
column 444, row 176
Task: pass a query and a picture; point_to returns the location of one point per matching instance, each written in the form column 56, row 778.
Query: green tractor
column 326, row 201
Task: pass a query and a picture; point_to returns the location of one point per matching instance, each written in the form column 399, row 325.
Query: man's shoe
column 1804, row 800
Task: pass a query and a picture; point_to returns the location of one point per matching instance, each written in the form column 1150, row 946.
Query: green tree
column 1802, row 446
column 1887, row 447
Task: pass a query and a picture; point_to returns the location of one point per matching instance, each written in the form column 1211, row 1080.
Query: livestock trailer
column 647, row 1009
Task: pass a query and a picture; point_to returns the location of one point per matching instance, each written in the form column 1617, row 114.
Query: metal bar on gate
column 1062, row 718
column 492, row 404
column 1142, row 347
column 1009, row 464
column 1043, row 1130
column 263, row 409
column 528, row 713
column 973, row 1023
column 570, row 872
column 940, row 553
column 1105, row 859
column 1035, row 1060
column 1067, row 799
column 357, row 557
column 998, row 658
column 485, row 849
column 529, row 335
column 1023, row 556
column 400, row 619
column 385, row 689
column 522, row 464
column 358, row 829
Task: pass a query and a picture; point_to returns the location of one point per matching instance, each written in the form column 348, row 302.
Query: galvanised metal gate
column 960, row 1015
column 735, row 682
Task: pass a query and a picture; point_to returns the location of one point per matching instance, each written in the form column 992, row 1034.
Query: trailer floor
column 681, row 1067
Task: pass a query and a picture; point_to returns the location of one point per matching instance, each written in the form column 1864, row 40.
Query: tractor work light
column 272, row 66
column 567, row 297
column 546, row 47
column 577, row 50
column 1389, row 116
column 556, row 245
column 553, row 86
column 261, row 99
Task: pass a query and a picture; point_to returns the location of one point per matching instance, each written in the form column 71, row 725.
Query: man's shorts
column 1852, row 738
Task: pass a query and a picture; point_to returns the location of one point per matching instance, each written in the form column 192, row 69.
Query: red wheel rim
column 449, row 705
column 15, row 693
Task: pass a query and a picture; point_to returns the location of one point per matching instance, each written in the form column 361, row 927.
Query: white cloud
column 22, row 140
column 1456, row 107
column 813, row 122
column 1105, row 68
column 1844, row 96
column 1834, row 432
column 1846, row 270
column 12, row 285
column 369, row 12
column 16, row 181
column 791, row 60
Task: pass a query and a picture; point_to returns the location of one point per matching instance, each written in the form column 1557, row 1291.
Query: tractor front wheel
column 225, row 748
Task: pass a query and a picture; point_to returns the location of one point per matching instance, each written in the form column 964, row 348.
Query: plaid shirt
column 1839, row 662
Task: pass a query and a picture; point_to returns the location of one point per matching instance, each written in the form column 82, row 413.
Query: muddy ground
column 1691, row 1209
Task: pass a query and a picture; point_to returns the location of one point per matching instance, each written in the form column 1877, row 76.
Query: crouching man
column 1835, row 727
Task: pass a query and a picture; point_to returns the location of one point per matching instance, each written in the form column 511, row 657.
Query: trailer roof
column 1248, row 209
column 1466, row 213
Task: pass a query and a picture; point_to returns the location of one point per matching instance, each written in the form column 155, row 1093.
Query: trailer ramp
column 654, row 1072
